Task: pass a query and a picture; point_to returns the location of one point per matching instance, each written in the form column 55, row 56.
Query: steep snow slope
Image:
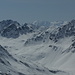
column 5, row 62
column 6, row 23
column 26, row 55
column 11, row 66
column 45, row 54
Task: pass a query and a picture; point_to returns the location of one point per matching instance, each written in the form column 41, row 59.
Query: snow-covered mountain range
column 38, row 48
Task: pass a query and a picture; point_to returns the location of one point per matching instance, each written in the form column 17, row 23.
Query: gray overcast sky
column 31, row 10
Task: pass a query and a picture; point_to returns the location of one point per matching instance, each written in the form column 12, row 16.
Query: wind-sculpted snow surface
column 35, row 50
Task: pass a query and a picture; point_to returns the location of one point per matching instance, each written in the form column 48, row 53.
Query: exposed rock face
column 25, row 29
column 12, row 29
column 6, row 23
column 10, row 32
column 63, row 31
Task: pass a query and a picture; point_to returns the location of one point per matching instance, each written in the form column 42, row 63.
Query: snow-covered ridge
column 63, row 31
column 54, row 33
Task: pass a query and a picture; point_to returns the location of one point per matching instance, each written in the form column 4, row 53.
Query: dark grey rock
column 10, row 32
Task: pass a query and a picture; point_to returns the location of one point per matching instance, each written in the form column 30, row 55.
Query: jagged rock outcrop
column 10, row 32
column 25, row 29
column 6, row 23
column 63, row 31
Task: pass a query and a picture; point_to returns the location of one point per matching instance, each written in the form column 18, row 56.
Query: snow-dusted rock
column 6, row 23
column 10, row 32
column 63, row 31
